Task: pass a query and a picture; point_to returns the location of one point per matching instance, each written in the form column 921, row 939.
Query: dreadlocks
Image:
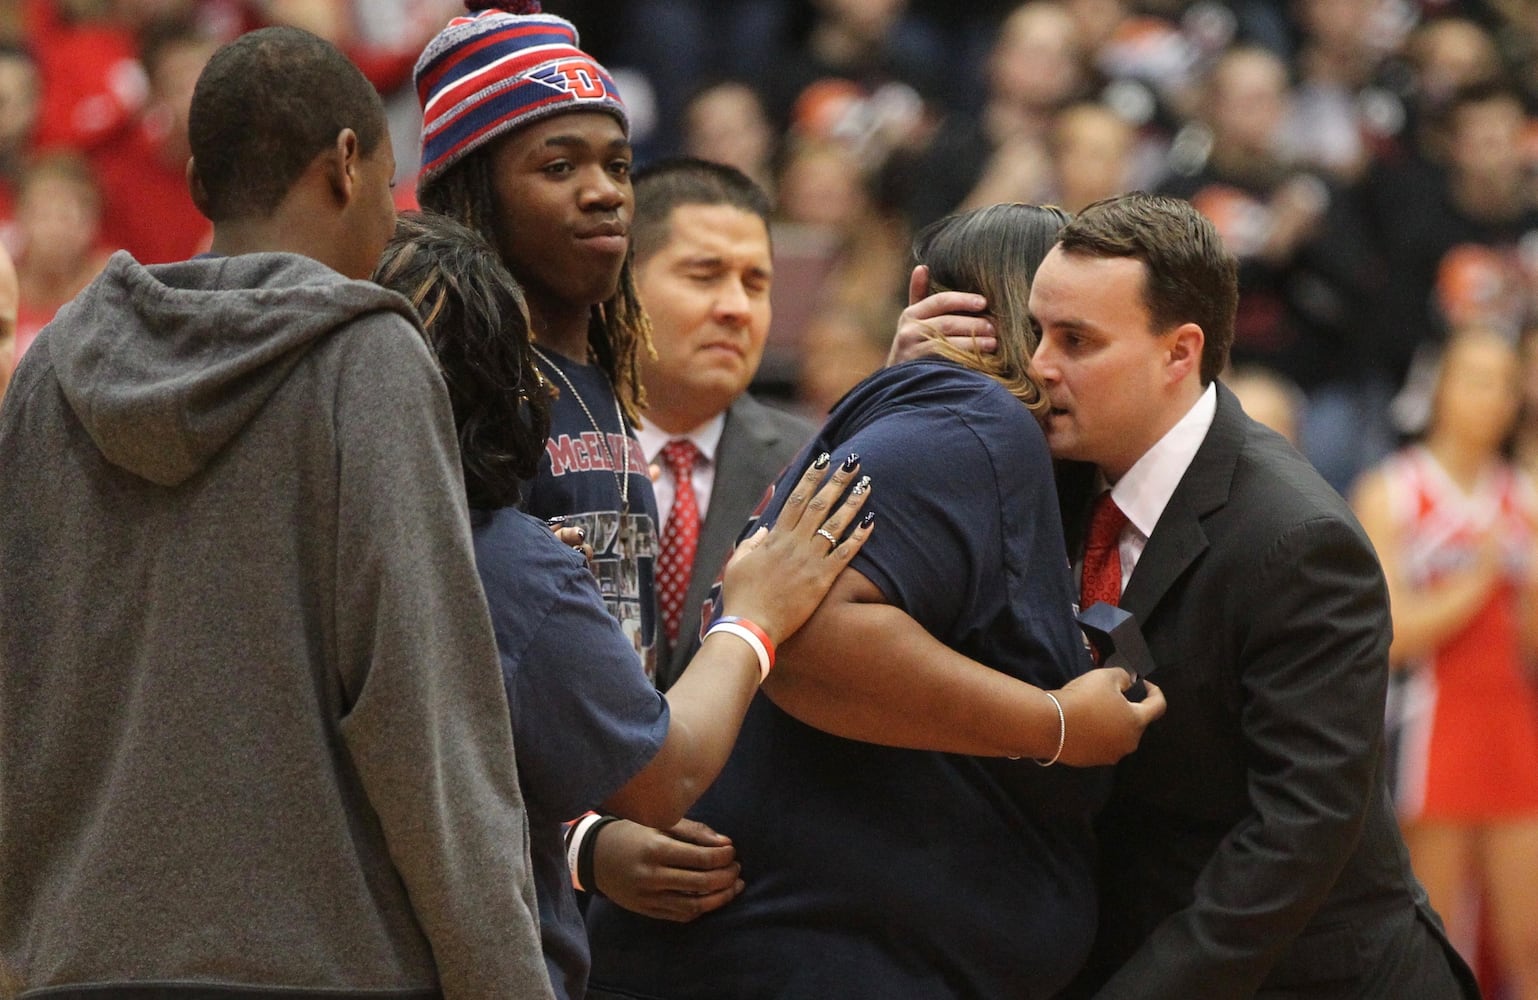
column 618, row 330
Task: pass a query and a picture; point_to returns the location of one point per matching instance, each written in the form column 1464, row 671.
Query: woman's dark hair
column 478, row 326
column 994, row 252
column 618, row 330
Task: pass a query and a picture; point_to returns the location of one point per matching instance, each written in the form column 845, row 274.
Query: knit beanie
column 498, row 69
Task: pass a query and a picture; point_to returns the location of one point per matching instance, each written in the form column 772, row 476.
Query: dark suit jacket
column 1249, row 847
column 756, row 444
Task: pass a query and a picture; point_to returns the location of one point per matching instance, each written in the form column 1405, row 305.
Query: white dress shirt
column 707, row 438
column 1144, row 492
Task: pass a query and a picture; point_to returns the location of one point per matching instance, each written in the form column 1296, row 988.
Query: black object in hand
column 1117, row 637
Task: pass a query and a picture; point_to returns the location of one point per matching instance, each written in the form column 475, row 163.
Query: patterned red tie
column 675, row 563
column 1101, row 580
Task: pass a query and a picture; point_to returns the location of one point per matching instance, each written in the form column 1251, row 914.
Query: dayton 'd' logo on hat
column 578, row 77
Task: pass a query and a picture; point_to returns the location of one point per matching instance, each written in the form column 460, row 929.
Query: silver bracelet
column 1062, row 730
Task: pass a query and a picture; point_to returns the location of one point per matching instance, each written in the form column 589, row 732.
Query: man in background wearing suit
column 703, row 272
column 1249, row 848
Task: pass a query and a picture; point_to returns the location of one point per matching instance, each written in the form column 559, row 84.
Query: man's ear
column 341, row 167
column 196, row 189
column 1185, row 351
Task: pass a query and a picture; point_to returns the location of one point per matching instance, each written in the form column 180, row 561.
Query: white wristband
column 732, row 628
column 574, row 846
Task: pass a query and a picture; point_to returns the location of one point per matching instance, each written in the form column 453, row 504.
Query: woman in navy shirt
column 889, row 844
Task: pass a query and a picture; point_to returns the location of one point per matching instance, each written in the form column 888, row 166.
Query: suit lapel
column 1179, row 538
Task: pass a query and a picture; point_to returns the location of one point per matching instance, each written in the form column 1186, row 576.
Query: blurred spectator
column 9, row 300
column 842, row 345
column 1444, row 56
column 1301, row 258
column 676, row 44
column 19, row 97
column 143, row 170
column 862, row 249
column 58, row 230
column 382, row 37
column 1146, row 67
column 1335, row 116
column 1456, row 528
column 871, row 43
column 88, row 65
column 1091, row 149
column 1245, row 103
column 1270, row 399
column 1000, row 155
column 726, row 123
column 1459, row 245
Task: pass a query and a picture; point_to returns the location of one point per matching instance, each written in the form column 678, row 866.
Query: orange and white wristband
column 581, row 839
column 763, row 646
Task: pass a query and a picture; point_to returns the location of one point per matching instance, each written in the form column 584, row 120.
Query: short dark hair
column 264, row 107
column 688, row 180
column 476, row 322
column 1189, row 277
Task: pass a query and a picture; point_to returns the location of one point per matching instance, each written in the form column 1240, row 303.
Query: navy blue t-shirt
column 585, row 718
column 579, row 477
column 880, row 872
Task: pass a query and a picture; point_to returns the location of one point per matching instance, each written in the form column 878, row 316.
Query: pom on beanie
column 493, row 71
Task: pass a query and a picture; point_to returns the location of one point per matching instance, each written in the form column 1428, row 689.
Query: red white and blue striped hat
column 499, row 68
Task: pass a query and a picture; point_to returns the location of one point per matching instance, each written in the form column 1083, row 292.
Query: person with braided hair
column 525, row 140
column 590, row 729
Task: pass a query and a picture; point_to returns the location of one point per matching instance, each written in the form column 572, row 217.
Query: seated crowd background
column 1368, row 161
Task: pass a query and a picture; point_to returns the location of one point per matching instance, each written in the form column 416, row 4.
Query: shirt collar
column 706, row 437
column 1144, row 492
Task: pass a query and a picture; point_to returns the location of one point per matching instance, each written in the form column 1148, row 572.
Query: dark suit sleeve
column 1312, row 670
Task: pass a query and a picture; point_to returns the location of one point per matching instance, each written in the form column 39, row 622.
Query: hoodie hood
column 164, row 365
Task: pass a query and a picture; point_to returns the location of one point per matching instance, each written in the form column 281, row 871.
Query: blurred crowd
column 1370, row 162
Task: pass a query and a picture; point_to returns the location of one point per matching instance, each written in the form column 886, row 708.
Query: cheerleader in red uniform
column 1456, row 528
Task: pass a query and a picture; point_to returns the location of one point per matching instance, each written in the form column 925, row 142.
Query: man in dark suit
column 1249, row 848
column 703, row 273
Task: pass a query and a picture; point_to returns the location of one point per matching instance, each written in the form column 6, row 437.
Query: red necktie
column 1101, row 580
column 675, row 563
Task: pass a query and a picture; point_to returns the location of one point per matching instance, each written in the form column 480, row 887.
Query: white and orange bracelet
column 763, row 646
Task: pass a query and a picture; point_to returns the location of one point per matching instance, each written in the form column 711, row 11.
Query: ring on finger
column 829, row 536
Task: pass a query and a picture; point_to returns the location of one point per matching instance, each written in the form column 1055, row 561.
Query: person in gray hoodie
column 253, row 735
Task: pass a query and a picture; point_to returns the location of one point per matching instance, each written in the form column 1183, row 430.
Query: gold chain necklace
column 622, row 480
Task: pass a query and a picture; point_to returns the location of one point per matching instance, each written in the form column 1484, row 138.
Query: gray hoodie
column 253, row 735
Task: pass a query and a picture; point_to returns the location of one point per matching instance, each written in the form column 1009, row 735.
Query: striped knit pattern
column 488, row 73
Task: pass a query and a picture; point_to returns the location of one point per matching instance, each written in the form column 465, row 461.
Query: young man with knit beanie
column 525, row 140
column 253, row 735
